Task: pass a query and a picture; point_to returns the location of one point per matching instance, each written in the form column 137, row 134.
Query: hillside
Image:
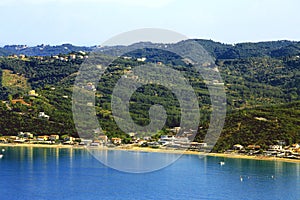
column 261, row 81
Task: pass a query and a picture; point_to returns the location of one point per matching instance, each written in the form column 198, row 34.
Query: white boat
column 222, row 163
column 1, row 156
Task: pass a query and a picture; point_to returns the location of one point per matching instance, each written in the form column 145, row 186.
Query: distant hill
column 43, row 50
column 216, row 49
column 5, row 52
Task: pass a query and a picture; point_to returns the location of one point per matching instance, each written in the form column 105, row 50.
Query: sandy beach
column 158, row 150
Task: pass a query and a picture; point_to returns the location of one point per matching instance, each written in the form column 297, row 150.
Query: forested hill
column 261, row 81
column 216, row 49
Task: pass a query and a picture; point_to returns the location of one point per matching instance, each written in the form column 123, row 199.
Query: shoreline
column 151, row 150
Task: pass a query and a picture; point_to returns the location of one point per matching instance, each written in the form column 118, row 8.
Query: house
column 69, row 140
column 22, row 56
column 95, row 143
column 295, row 146
column 72, row 56
column 3, row 140
column 141, row 142
column 238, row 147
column 85, row 141
column 43, row 115
column 26, row 135
column 175, row 129
column 19, row 140
column 54, row 137
column 132, row 134
column 103, row 138
column 89, row 104
column 32, row 93
column 165, row 139
column 275, row 147
column 147, row 138
column 253, row 147
column 141, row 59
column 90, row 86
column 126, row 57
column 116, row 140
column 43, row 137
column 196, row 145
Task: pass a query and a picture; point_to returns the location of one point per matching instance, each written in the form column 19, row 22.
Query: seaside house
column 103, row 139
column 69, row 140
column 175, row 129
column 26, row 135
column 174, row 141
column 43, row 137
column 116, row 140
column 3, row 140
column 275, row 148
column 54, row 137
column 238, row 147
column 197, row 145
column 295, row 148
column 253, row 147
column 141, row 142
column 85, row 141
column 147, row 138
column 20, row 140
column 165, row 139
column 95, row 143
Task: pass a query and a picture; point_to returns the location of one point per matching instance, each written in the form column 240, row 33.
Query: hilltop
column 218, row 50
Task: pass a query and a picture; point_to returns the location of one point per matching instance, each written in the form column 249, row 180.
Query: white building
column 43, row 115
column 275, row 147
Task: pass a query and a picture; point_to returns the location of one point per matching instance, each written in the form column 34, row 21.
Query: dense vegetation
column 261, row 80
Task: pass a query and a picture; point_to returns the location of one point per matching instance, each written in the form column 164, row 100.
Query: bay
column 58, row 173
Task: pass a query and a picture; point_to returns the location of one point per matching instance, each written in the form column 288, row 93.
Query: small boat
column 222, row 163
column 1, row 156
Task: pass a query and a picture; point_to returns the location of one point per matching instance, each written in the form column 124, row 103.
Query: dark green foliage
column 261, row 80
column 39, row 72
column 263, row 126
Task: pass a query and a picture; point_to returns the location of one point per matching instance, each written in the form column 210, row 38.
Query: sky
column 92, row 22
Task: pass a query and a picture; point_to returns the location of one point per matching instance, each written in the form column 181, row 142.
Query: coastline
column 151, row 150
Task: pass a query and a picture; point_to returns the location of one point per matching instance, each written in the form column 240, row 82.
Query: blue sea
column 52, row 173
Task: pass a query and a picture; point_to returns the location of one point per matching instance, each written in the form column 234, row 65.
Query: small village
column 165, row 142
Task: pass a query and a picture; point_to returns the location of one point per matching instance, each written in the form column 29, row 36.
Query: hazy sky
column 90, row 22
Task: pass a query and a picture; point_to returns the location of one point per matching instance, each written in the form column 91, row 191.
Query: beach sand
column 158, row 150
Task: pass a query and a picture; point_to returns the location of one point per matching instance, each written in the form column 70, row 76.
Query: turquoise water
column 49, row 173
